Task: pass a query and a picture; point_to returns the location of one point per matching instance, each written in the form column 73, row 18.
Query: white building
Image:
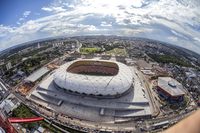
column 8, row 66
column 9, row 104
column 94, row 90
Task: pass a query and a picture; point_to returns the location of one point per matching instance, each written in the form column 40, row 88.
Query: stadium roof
column 92, row 84
column 171, row 86
column 37, row 74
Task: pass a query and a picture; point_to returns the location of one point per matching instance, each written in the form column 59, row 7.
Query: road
column 145, row 83
column 78, row 49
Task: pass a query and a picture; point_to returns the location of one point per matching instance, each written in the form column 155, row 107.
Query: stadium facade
column 94, row 90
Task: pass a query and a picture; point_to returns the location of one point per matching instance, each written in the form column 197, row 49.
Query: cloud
column 54, row 9
column 5, row 30
column 167, row 20
column 47, row 9
column 173, row 38
column 21, row 19
column 197, row 39
column 179, row 35
column 26, row 14
column 105, row 24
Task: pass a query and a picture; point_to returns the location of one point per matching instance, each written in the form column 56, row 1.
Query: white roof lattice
column 92, row 84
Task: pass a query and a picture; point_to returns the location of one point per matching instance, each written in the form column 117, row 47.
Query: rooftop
column 161, row 123
column 37, row 74
column 133, row 104
column 171, row 86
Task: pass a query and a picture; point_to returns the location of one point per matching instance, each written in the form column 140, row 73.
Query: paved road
column 151, row 98
column 78, row 49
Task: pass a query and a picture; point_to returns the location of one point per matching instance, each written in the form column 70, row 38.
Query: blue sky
column 173, row 21
column 12, row 10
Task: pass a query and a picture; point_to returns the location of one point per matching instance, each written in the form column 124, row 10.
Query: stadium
column 97, row 78
column 94, row 90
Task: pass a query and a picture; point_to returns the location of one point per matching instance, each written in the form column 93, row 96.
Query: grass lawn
column 117, row 51
column 89, row 50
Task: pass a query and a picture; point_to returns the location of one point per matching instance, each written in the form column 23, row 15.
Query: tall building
column 198, row 60
column 8, row 66
column 38, row 45
column 1, row 71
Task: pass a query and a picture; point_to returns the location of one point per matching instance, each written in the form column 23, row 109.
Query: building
column 2, row 130
column 1, row 72
column 198, row 103
column 40, row 130
column 37, row 75
column 76, row 54
column 94, row 90
column 160, row 124
column 147, row 72
column 9, row 104
column 8, row 66
column 103, row 77
column 198, row 60
column 170, row 89
column 121, row 58
column 38, row 46
column 105, row 57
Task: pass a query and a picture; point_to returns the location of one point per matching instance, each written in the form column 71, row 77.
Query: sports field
column 89, row 50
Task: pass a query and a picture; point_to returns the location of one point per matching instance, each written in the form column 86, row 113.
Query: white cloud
column 138, row 3
column 46, row 9
column 26, row 13
column 197, row 39
column 23, row 18
column 105, row 24
column 173, row 38
column 179, row 34
column 53, row 9
column 174, row 20
column 18, row 23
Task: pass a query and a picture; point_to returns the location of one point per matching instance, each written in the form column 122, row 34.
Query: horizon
column 57, row 37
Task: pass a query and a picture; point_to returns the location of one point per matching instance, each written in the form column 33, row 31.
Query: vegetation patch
column 24, row 112
column 89, row 50
column 169, row 59
column 117, row 51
